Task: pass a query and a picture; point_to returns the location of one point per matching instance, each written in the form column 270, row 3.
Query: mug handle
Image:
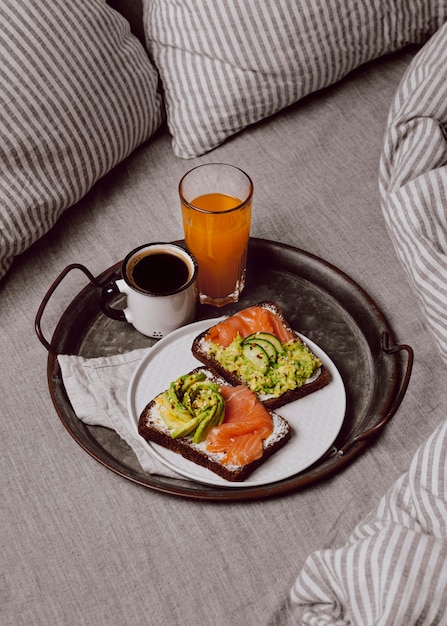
column 108, row 293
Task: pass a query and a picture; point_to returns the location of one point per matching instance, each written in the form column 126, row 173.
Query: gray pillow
column 77, row 95
column 225, row 65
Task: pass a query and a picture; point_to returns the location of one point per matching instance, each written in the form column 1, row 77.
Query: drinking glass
column 216, row 202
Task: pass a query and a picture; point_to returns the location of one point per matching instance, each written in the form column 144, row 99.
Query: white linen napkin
column 97, row 389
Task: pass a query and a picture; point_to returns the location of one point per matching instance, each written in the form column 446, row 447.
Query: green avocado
column 211, row 416
column 186, row 428
column 176, row 407
column 269, row 372
column 191, row 406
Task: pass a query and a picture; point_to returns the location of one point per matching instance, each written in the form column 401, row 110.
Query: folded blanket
column 413, row 180
column 97, row 389
column 393, row 569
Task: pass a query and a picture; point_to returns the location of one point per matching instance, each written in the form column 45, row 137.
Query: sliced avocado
column 212, row 416
column 175, row 405
column 191, row 406
column 170, row 415
column 257, row 356
column 199, row 394
column 186, row 381
column 186, row 428
column 204, row 425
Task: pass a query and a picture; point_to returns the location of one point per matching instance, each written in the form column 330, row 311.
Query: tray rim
column 185, row 488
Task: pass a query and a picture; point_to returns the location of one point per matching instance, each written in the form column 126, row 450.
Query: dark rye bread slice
column 152, row 428
column 200, row 349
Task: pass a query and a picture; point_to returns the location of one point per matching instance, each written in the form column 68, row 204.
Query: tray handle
column 51, row 290
column 374, row 430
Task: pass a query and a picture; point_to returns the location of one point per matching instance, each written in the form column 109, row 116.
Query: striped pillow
column 225, row 65
column 413, row 180
column 77, row 95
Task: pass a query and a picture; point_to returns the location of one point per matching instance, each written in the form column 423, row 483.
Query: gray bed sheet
column 82, row 545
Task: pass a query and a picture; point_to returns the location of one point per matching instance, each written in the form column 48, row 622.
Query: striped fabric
column 393, row 570
column 225, row 65
column 77, row 95
column 413, row 180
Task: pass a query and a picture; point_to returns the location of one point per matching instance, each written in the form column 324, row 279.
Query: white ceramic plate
column 315, row 419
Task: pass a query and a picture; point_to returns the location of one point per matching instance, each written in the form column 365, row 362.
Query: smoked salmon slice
column 251, row 320
column 244, row 449
column 246, row 424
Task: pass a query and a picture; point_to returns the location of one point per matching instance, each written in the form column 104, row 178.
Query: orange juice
column 217, row 229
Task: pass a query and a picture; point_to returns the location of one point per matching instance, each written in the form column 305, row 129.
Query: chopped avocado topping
column 191, row 406
column 267, row 370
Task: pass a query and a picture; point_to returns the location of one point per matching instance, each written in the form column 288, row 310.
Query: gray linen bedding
column 82, row 545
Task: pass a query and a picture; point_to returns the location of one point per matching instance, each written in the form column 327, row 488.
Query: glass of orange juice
column 216, row 201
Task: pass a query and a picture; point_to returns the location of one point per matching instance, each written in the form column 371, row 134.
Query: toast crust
column 200, row 351
column 152, row 428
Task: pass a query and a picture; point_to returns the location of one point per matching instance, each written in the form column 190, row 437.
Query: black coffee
column 159, row 272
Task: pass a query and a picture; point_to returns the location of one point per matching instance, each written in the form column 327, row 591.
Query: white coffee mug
column 160, row 284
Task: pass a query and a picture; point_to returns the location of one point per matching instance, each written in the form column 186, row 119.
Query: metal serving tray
column 319, row 300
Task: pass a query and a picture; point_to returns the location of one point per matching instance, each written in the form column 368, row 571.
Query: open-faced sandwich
column 221, row 427
column 257, row 347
